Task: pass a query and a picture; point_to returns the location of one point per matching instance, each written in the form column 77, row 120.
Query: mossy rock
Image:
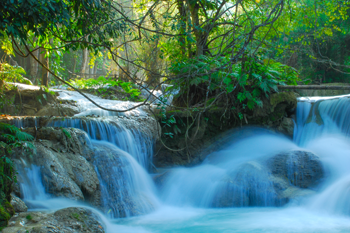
column 283, row 97
column 6, row 212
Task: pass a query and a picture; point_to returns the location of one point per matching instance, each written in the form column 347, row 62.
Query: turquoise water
column 235, row 220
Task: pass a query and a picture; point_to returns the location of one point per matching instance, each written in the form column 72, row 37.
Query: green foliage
column 10, row 73
column 66, row 132
column 65, row 18
column 29, row 217
column 167, row 122
column 315, row 40
column 253, row 78
column 128, row 87
column 10, row 137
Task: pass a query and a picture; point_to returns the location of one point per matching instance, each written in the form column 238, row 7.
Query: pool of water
column 235, row 220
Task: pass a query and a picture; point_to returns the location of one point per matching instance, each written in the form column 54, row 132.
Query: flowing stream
column 187, row 198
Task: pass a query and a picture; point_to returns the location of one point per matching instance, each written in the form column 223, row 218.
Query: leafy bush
column 251, row 78
column 10, row 73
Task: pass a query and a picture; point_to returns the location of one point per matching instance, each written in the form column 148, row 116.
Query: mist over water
column 187, row 199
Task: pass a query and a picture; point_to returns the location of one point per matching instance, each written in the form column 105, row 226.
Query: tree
column 211, row 47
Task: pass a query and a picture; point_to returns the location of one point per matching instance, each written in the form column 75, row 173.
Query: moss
column 76, row 216
column 4, row 217
column 288, row 97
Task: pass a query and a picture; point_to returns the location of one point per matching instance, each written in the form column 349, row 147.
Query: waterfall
column 318, row 116
column 123, row 148
column 140, row 146
column 31, row 185
column 87, row 108
column 242, row 174
column 228, row 176
column 127, row 189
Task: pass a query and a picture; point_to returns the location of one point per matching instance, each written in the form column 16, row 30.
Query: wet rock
column 57, row 110
column 18, row 204
column 287, row 127
column 301, row 168
column 65, row 171
column 277, row 106
column 273, row 182
column 249, row 185
column 69, row 220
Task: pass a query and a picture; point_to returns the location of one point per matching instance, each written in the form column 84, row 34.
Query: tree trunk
column 85, row 62
column 74, row 65
column 104, row 70
column 45, row 73
column 95, row 70
column 194, row 9
column 34, row 65
column 182, row 13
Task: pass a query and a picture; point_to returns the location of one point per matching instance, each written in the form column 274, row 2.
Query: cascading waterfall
column 321, row 116
column 127, row 189
column 239, row 172
column 229, row 172
column 130, row 140
column 122, row 154
column 240, row 175
column 31, row 185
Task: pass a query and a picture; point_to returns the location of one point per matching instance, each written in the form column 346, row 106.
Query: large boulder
column 249, row 185
column 271, row 182
column 18, row 204
column 69, row 220
column 301, row 168
column 65, row 171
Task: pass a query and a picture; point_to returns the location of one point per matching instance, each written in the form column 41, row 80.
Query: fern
column 22, row 136
column 12, row 137
column 8, row 127
column 8, row 138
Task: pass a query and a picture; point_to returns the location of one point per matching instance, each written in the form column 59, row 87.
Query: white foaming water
column 140, row 146
column 322, row 128
column 32, row 188
column 126, row 187
column 87, row 108
column 322, row 116
column 199, row 186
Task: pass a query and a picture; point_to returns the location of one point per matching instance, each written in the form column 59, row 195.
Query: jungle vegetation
column 213, row 50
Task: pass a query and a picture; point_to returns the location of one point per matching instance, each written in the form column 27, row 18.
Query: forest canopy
column 212, row 51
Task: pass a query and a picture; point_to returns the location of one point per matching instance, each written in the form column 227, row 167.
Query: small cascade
column 86, row 108
column 122, row 146
column 140, row 146
column 127, row 189
column 31, row 185
column 317, row 116
column 26, row 122
column 323, row 126
column 228, row 178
